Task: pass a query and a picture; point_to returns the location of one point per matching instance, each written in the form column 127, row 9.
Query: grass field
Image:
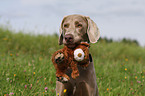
column 26, row 68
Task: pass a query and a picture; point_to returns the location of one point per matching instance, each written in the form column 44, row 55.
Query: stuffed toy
column 69, row 58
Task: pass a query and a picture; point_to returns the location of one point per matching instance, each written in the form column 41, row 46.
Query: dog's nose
column 68, row 38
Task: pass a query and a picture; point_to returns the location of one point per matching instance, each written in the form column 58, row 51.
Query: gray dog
column 75, row 29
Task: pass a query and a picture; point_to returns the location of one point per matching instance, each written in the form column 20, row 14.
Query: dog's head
column 77, row 28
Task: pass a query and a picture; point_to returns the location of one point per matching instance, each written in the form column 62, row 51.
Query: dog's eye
column 66, row 25
column 78, row 25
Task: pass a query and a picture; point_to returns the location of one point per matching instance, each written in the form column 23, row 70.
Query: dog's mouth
column 71, row 45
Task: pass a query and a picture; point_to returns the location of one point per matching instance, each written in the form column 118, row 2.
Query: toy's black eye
column 66, row 25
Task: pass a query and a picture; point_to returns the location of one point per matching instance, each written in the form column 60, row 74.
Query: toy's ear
column 85, row 44
column 92, row 31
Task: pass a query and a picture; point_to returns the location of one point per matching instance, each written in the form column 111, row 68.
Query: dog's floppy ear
column 92, row 31
column 61, row 32
column 61, row 36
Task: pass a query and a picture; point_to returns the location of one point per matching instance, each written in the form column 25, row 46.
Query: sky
column 116, row 19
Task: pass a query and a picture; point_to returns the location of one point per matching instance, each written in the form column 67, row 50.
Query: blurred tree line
column 124, row 40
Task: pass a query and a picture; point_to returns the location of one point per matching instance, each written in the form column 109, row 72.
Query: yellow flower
column 37, row 81
column 34, row 73
column 125, row 69
column 5, row 94
column 64, row 90
column 14, row 75
column 142, row 76
column 11, row 54
column 125, row 77
column 5, row 39
column 40, row 58
column 57, row 94
column 126, row 59
column 107, row 89
column 135, row 77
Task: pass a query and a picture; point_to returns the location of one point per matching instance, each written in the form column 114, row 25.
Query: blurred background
column 116, row 19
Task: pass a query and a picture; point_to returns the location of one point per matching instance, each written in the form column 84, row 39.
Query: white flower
column 79, row 54
column 8, row 79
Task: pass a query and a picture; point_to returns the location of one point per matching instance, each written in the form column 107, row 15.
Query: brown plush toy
column 69, row 58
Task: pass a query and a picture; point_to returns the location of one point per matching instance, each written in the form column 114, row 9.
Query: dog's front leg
column 64, row 89
column 59, row 88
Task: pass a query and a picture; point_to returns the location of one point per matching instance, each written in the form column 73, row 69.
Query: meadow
column 26, row 68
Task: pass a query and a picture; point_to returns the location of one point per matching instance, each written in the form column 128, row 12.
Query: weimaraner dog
column 75, row 29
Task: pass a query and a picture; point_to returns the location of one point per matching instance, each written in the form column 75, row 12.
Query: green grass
column 26, row 68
